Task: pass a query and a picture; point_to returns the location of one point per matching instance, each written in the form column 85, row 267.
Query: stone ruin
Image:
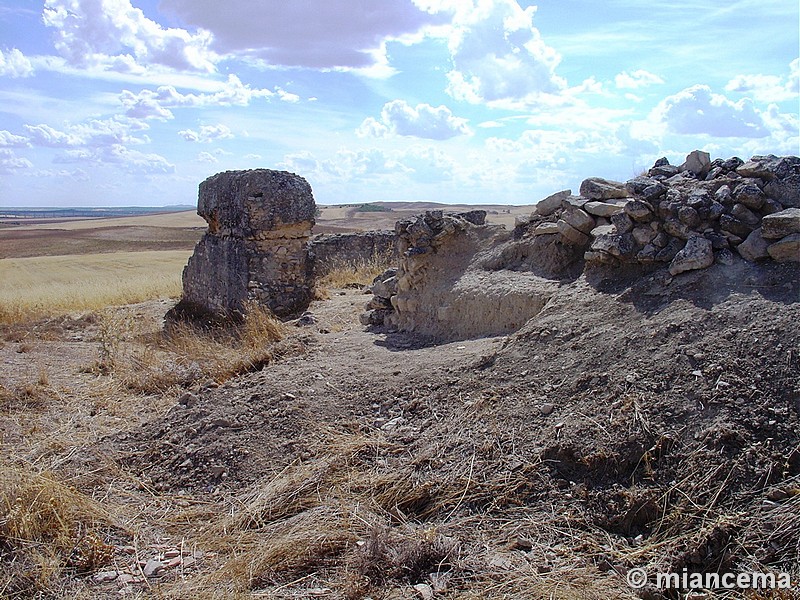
column 258, row 247
column 457, row 278
column 255, row 249
column 330, row 251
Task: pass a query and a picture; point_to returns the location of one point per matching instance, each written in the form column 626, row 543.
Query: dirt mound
column 634, row 421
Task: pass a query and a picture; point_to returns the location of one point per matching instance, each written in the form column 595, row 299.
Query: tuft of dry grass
column 50, row 285
column 47, row 527
column 183, row 355
column 29, row 395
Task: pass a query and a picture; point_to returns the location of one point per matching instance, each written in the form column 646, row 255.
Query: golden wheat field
column 47, row 285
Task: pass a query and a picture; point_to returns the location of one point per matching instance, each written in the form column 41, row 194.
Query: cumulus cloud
column 207, row 157
column 149, row 104
column 97, row 142
column 88, row 31
column 423, row 121
column 304, row 33
column 207, row 134
column 9, row 140
column 14, row 64
column 637, row 79
column 287, row 96
column 345, row 166
column 499, row 57
column 44, row 135
column 11, row 162
column 93, row 132
column 768, row 88
column 426, row 164
column 697, row 110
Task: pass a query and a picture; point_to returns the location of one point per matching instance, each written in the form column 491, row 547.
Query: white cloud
column 149, row 104
column 119, row 155
column 207, row 157
column 768, row 88
column 10, row 162
column 697, row 110
column 14, row 64
column 426, row 164
column 98, row 142
column 345, row 166
column 499, row 57
column 304, row 33
column 9, row 140
column 303, row 162
column 423, row 121
column 287, row 96
column 637, row 79
column 44, row 135
column 93, row 133
column 91, row 31
column 207, row 133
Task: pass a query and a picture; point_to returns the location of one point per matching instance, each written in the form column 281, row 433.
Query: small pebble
column 105, row 576
column 153, row 568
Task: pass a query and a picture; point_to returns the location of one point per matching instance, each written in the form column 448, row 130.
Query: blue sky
column 134, row 102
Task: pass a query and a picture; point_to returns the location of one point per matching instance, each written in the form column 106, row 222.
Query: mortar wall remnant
column 255, row 249
column 331, row 251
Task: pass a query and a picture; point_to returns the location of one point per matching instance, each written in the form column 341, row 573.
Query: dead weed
column 46, row 528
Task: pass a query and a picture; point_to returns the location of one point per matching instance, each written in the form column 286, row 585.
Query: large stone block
column 597, row 188
column 697, row 254
column 787, row 249
column 779, row 225
column 249, row 204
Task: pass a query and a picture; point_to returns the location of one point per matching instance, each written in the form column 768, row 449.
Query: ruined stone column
column 255, row 249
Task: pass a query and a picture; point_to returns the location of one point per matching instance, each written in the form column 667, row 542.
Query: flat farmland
column 52, row 267
column 32, row 287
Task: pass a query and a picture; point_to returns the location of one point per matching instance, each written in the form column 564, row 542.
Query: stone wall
column 458, row 279
column 255, row 249
column 687, row 217
column 329, row 251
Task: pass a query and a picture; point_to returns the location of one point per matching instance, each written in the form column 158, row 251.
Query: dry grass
column 47, row 286
column 156, row 362
column 317, row 523
column 47, row 528
column 343, row 274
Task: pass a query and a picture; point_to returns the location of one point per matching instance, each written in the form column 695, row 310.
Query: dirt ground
column 637, row 421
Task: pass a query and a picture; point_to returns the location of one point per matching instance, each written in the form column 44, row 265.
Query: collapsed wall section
column 440, row 288
column 458, row 278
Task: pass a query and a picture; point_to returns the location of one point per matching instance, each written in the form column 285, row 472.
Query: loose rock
column 781, row 224
column 697, row 254
column 597, row 188
column 754, row 248
column 786, row 250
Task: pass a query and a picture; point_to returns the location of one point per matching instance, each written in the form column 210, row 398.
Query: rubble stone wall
column 457, row 279
column 440, row 288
